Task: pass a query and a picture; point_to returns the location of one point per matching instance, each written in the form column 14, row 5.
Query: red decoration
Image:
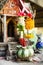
column 30, row 15
column 21, row 14
column 24, row 11
column 22, row 41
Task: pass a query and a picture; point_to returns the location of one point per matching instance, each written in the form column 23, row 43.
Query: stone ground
column 4, row 62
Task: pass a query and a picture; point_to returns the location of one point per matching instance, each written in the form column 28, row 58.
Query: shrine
column 9, row 15
column 18, row 36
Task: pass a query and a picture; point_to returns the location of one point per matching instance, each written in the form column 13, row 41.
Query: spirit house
column 7, row 20
column 9, row 16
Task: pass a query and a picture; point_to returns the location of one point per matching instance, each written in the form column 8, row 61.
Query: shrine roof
column 10, row 8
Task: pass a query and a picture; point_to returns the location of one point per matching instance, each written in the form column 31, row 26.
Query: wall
column 39, row 30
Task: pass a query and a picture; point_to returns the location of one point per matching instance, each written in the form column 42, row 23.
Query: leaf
column 20, row 27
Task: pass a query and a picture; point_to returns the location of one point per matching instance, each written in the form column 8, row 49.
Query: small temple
column 9, row 14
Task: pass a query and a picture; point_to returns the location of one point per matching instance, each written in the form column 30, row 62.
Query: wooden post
column 5, row 29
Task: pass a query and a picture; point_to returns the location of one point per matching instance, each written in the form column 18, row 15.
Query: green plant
column 26, row 0
column 20, row 27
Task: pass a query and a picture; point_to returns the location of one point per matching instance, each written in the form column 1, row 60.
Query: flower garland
column 29, row 23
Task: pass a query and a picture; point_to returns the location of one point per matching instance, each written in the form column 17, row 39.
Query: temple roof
column 10, row 8
column 16, row 8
